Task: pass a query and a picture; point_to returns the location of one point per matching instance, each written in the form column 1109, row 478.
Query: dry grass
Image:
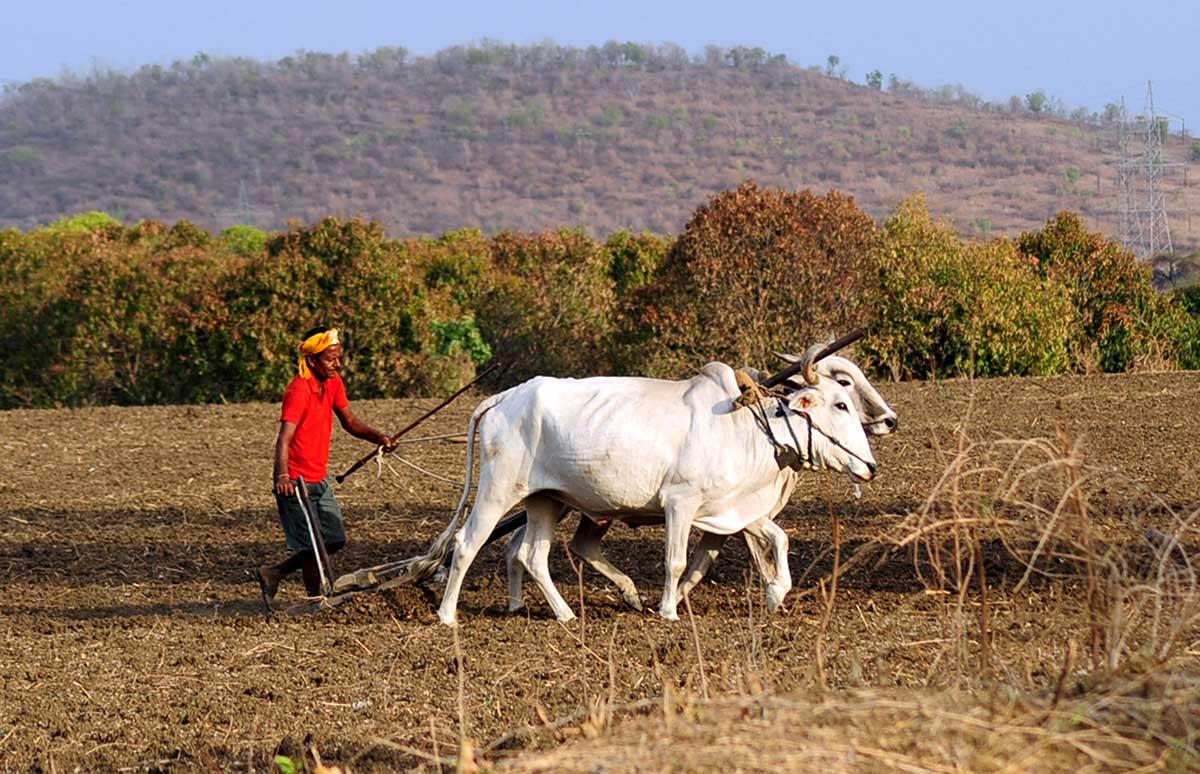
column 1005, row 514
column 1132, row 575
column 1107, row 729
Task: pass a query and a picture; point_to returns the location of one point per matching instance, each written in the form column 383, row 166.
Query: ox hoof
column 634, row 601
column 515, row 606
column 448, row 620
column 670, row 615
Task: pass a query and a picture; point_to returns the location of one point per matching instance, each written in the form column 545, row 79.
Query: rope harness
column 754, row 397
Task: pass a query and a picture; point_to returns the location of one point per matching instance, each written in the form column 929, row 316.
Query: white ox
column 630, row 447
column 875, row 415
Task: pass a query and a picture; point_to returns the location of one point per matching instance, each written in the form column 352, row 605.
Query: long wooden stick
column 418, row 421
column 798, row 366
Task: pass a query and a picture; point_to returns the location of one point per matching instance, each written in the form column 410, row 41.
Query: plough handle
column 324, row 568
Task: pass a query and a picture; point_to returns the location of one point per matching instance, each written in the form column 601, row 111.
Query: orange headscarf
column 315, row 345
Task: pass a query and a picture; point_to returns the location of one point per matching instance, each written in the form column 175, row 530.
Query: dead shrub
column 1027, row 511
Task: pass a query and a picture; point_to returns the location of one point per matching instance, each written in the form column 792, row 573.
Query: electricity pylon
column 1144, row 226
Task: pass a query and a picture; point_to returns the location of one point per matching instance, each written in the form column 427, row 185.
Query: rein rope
column 381, row 463
column 803, row 456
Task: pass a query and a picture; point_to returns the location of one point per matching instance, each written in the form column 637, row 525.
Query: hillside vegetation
column 498, row 137
column 92, row 311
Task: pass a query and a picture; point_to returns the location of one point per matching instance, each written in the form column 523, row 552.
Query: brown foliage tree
column 757, row 270
column 550, row 309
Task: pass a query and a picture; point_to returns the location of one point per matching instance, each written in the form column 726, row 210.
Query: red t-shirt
column 309, row 404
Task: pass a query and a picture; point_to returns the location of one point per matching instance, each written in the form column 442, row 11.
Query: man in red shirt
column 302, row 452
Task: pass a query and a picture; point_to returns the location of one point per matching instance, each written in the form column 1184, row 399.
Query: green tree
column 1110, row 289
column 947, row 307
column 20, row 159
column 1071, row 176
column 461, row 335
column 875, row 80
column 1187, row 302
column 1036, row 102
column 831, row 64
column 84, row 222
column 243, row 239
column 633, row 259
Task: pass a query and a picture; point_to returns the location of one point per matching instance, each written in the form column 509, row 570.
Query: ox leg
column 515, row 568
column 535, row 551
column 779, row 581
column 679, row 516
column 485, row 515
column 586, row 545
column 759, row 546
column 701, row 560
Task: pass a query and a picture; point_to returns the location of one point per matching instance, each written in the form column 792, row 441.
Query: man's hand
column 359, row 429
column 284, row 485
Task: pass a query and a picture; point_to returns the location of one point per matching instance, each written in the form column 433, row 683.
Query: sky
column 1085, row 52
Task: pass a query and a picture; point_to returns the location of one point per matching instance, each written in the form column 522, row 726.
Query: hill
column 503, row 137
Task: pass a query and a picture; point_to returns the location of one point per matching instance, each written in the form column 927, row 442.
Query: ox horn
column 820, row 353
column 808, row 363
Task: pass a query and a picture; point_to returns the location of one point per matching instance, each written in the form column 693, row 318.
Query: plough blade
column 367, row 580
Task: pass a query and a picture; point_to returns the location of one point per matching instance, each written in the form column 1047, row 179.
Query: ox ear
column 804, row 400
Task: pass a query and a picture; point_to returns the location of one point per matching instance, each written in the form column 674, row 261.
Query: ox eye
column 844, row 382
column 842, row 406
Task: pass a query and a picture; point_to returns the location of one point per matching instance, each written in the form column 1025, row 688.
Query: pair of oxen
column 686, row 454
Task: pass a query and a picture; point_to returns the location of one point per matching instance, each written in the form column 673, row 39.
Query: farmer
column 302, row 451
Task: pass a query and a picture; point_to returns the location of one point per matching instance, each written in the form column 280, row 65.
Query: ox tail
column 421, row 567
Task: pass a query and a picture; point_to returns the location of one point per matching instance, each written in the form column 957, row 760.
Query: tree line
column 97, row 312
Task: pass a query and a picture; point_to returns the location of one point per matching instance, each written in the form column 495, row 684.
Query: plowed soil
column 132, row 638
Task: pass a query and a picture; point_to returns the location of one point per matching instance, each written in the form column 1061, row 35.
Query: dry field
column 130, row 638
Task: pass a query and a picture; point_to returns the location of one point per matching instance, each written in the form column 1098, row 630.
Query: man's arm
column 283, row 484
column 359, row 429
